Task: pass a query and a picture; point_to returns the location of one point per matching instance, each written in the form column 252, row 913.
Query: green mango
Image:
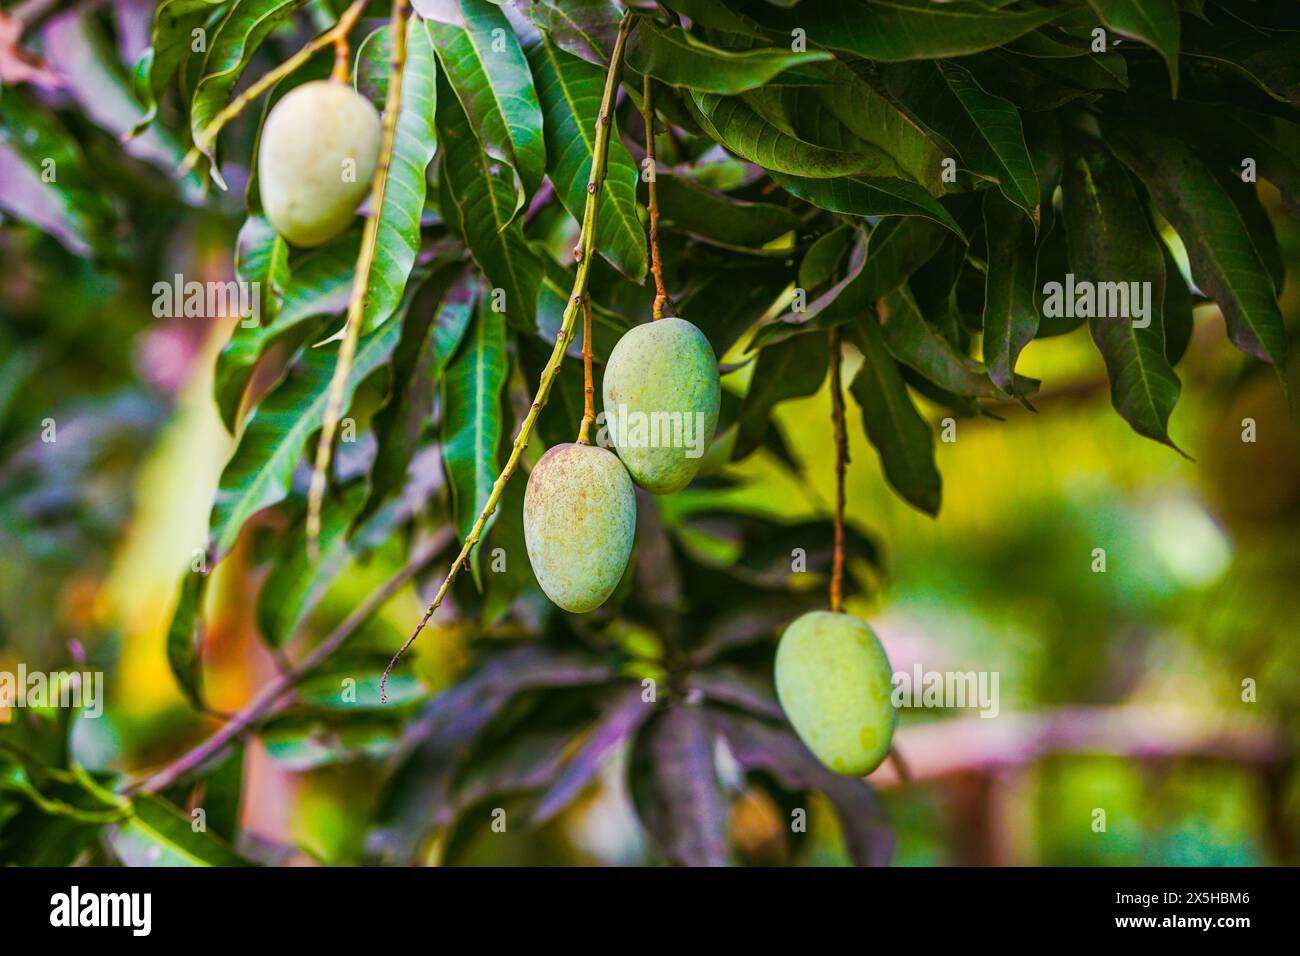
column 316, row 158
column 835, row 683
column 579, row 523
column 662, row 392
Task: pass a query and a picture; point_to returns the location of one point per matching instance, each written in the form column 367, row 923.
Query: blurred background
column 1162, row 690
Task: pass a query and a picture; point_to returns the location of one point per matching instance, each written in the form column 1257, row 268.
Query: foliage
column 912, row 172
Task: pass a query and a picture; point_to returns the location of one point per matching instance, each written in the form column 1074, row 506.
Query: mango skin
column 835, row 684
column 662, row 366
column 579, row 524
column 300, row 161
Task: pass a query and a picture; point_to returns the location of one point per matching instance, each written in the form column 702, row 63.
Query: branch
column 584, row 253
column 360, row 284
column 334, row 35
column 270, row 695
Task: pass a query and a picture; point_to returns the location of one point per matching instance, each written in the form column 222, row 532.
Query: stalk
column 584, row 253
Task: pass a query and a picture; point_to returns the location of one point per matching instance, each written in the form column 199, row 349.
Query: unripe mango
column 834, row 683
column 317, row 155
column 662, row 393
column 579, row 522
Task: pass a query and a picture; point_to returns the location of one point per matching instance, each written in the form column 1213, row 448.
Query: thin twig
column 203, row 142
column 271, row 694
column 588, row 390
column 584, row 253
column 360, row 284
column 652, row 203
column 841, row 461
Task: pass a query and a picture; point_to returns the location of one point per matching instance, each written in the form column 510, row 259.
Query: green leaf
column 735, row 124
column 414, row 142
column 261, row 467
column 982, row 131
column 1224, row 260
column 1010, row 305
column 570, row 91
column 230, row 49
column 472, row 420
column 484, row 208
column 674, row 56
column 185, row 637
column 490, row 75
column 170, row 45
column 877, row 196
column 158, row 834
column 894, row 30
column 687, row 207
column 1110, row 241
column 894, row 427
column 319, row 284
column 790, row 369
column 1153, row 22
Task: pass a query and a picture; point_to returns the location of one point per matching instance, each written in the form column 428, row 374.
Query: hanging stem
column 588, row 390
column 360, row 283
column 656, row 266
column 334, row 35
column 841, row 461
column 584, row 253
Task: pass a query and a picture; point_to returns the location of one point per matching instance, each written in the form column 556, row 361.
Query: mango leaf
column 490, row 75
column 674, row 786
column 716, row 217
column 790, row 369
column 430, row 336
column 231, row 46
column 472, row 421
column 893, row 30
column 170, row 45
column 259, row 471
column 674, row 56
column 185, row 637
column 319, row 283
column 483, row 201
column 158, row 834
column 735, row 124
column 894, row 427
column 762, row 747
column 875, row 196
column 570, row 91
column 413, row 148
column 1153, row 22
column 1112, row 246
column 1010, row 303
column 1224, row 260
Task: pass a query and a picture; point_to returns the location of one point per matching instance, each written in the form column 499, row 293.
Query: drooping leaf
column 570, row 91
column 484, row 203
column 472, row 420
column 488, row 72
column 1225, row 262
column 674, row 785
column 1010, row 304
column 894, row 427
column 674, row 56
column 259, row 471
column 1113, row 248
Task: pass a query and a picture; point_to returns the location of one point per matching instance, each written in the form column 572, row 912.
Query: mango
column 579, row 523
column 834, row 683
column 317, row 155
column 662, row 392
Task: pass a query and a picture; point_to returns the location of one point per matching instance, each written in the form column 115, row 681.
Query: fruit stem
column 584, row 253
column 360, row 283
column 841, row 460
column 588, row 390
column 203, row 142
column 652, row 203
